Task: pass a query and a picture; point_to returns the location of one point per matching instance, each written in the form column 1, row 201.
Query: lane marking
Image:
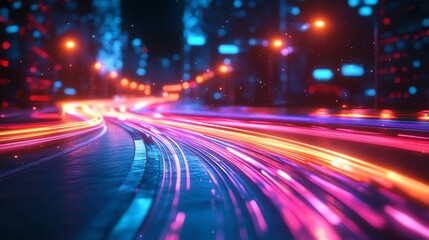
column 129, row 223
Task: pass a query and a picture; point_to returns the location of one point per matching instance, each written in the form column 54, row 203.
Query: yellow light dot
column 185, row 85
column 124, row 82
column 277, row 43
column 70, row 44
column 223, row 68
column 98, row 65
column 319, row 23
column 113, row 74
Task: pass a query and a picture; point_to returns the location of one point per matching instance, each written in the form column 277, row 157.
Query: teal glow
column 69, row 91
column 186, row 76
column 352, row 70
column 140, row 71
column 295, row 11
column 217, row 95
column 237, row 3
column 370, row 92
column 119, row 64
column 196, row 40
column 4, row 13
column 412, row 90
column 228, row 49
column 252, row 42
column 187, row 66
column 57, row 85
column 425, row 22
column 353, row 3
column 416, row 63
column 165, row 62
column 142, row 63
column 323, row 74
column 16, row 5
column 37, row 34
column 304, row 27
column 136, row 42
column 12, row 29
column 365, row 11
column 221, row 32
column 370, row 2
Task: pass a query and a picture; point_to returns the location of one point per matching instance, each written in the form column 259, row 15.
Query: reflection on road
column 212, row 177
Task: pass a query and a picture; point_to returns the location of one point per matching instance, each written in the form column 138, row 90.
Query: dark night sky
column 157, row 22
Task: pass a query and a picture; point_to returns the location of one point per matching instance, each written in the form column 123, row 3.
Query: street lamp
column 98, row 66
column 319, row 23
column 223, row 68
column 124, row 82
column 70, row 44
column 185, row 85
column 141, row 87
column 277, row 43
column 113, row 74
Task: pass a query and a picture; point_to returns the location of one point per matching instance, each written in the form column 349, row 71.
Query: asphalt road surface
column 126, row 169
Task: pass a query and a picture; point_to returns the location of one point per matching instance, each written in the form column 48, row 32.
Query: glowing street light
column 277, row 43
column 223, row 68
column 113, row 74
column 98, row 66
column 319, row 23
column 124, row 82
column 70, row 44
column 147, row 90
column 185, row 85
column 199, row 79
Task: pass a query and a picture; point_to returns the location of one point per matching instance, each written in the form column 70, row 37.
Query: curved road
column 122, row 170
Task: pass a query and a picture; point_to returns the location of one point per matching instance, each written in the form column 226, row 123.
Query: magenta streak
column 407, row 221
column 260, row 223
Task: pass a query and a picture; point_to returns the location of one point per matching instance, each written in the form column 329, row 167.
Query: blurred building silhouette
column 241, row 35
column 26, row 68
column 370, row 53
column 37, row 68
column 107, row 19
column 404, row 54
column 368, row 50
column 233, row 33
